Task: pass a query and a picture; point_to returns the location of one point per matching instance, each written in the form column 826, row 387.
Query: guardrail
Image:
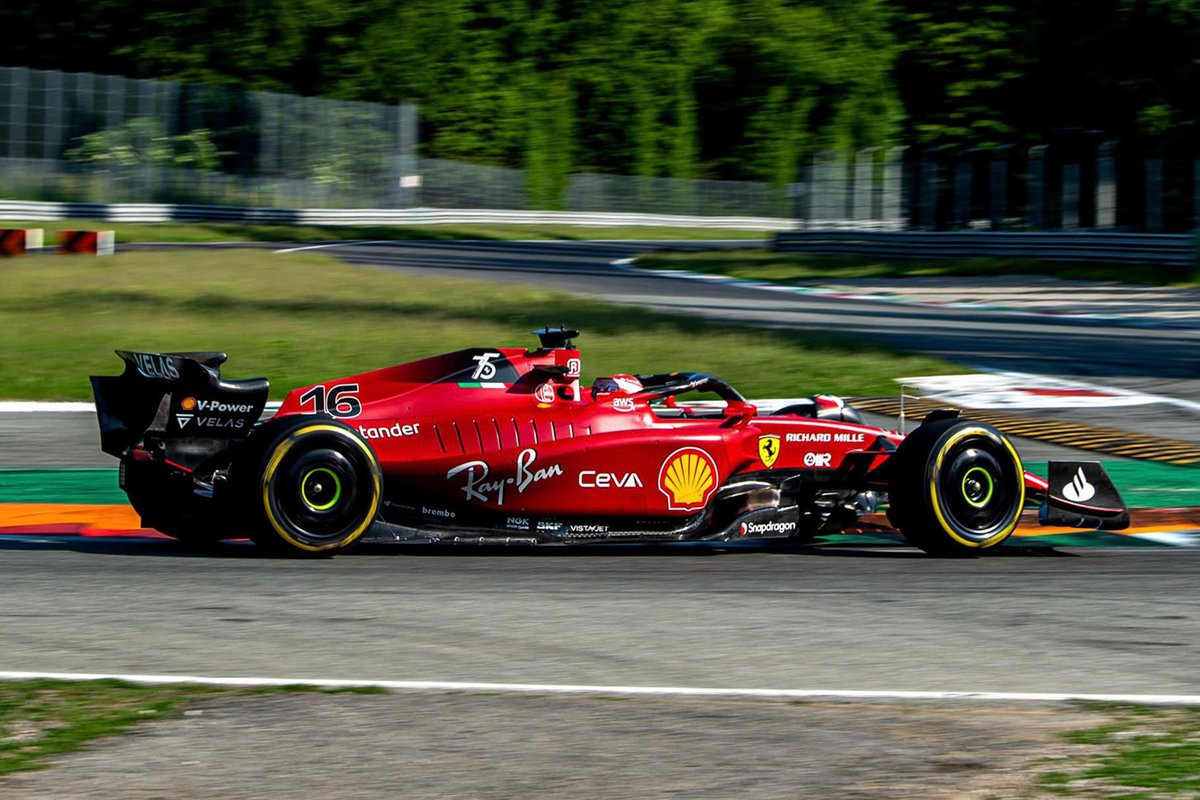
column 1177, row 249
column 42, row 211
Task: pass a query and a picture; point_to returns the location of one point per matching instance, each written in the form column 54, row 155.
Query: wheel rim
column 978, row 485
column 320, row 493
column 320, row 489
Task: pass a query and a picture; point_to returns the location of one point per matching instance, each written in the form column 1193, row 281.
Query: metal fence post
column 410, row 173
column 998, row 187
column 1106, row 185
column 893, row 187
column 929, row 188
column 1037, row 186
column 1070, row 196
column 18, row 110
column 52, row 136
column 819, row 203
column 1196, row 194
column 839, row 189
column 1154, row 194
column 964, row 174
column 864, row 184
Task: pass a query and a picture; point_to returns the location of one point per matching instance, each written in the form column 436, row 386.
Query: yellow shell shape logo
column 688, row 477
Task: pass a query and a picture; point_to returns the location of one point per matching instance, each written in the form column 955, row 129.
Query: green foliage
column 741, row 89
column 142, row 141
column 679, row 88
column 1022, row 70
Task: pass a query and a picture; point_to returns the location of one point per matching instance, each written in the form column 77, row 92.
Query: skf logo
column 688, row 478
column 187, row 403
column 768, row 450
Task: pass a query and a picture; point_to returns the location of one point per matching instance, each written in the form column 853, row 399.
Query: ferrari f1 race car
column 504, row 446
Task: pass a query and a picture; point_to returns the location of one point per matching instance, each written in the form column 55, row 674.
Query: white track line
column 585, row 689
column 350, row 243
column 35, row 407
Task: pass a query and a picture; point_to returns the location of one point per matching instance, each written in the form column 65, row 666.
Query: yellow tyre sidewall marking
column 935, row 501
column 273, row 464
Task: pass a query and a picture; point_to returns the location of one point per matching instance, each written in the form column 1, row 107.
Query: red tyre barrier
column 17, row 241
column 97, row 242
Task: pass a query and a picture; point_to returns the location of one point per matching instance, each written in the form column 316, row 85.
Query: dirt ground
column 422, row 745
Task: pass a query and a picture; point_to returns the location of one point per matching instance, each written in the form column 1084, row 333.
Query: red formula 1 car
column 503, row 445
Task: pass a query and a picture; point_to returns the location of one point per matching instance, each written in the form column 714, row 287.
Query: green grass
column 768, row 265
column 44, row 718
column 237, row 232
column 1143, row 753
column 303, row 317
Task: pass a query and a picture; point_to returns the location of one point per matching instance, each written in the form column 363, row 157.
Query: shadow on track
column 165, row 548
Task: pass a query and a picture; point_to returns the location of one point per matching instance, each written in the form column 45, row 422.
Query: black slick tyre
column 957, row 488
column 309, row 485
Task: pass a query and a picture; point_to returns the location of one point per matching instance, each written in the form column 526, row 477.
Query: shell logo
column 688, row 478
column 188, row 403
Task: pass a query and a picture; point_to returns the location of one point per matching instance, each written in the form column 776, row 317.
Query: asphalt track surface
column 1089, row 621
column 886, row 619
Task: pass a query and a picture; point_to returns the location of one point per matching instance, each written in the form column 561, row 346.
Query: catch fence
column 106, row 139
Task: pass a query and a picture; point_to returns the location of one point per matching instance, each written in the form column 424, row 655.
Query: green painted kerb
column 74, row 486
column 1145, row 484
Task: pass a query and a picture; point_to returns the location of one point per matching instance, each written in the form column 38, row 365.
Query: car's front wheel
column 315, row 487
column 957, row 488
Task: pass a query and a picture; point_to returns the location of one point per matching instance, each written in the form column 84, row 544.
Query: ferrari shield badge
column 768, row 450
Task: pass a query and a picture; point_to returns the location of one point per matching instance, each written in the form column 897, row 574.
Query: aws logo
column 688, row 479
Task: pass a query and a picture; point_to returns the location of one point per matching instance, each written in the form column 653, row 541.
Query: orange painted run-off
column 82, row 520
column 121, row 520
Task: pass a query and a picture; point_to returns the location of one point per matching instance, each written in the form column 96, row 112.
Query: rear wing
column 174, row 396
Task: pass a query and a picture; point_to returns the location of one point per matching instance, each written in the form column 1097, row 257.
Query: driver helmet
column 617, row 384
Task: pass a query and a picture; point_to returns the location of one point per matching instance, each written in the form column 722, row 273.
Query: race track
column 1089, row 621
column 1098, row 621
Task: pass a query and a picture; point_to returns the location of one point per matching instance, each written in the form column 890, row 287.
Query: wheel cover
column 320, row 488
column 978, row 488
column 321, row 491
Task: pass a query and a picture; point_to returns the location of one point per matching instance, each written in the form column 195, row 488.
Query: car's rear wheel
column 316, row 487
column 957, row 488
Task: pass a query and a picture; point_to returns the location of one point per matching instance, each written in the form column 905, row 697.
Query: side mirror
column 738, row 413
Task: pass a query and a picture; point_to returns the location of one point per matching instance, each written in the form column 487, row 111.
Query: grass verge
column 1143, row 753
column 44, row 718
column 239, row 232
column 768, row 265
column 303, row 317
